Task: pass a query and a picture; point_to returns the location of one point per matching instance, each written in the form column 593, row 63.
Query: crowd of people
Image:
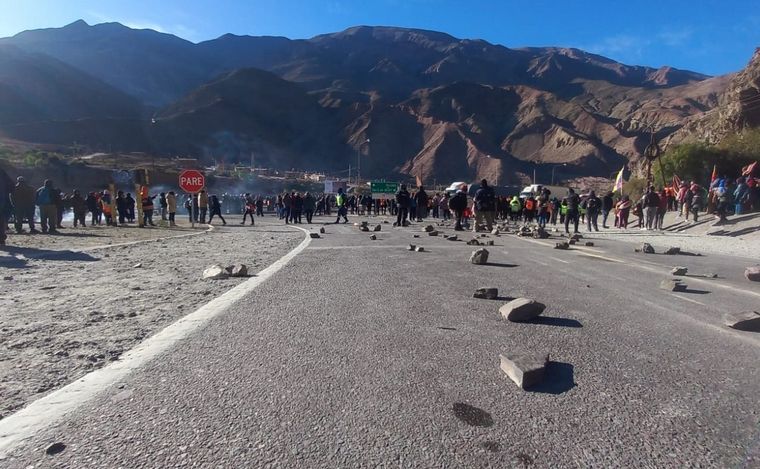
column 23, row 204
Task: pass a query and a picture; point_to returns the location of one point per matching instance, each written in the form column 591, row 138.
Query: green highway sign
column 384, row 188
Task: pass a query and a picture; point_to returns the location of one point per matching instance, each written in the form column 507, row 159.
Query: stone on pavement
column 752, row 273
column 490, row 242
column 432, row 233
column 486, row 293
column 428, row 228
column 564, row 246
column 526, row 369
column 495, row 231
column 372, row 237
column 748, row 321
column 672, row 284
column 679, row 270
column 55, row 448
column 589, row 244
column 215, row 272
column 647, row 248
column 322, row 230
column 364, row 228
column 419, row 249
column 473, row 242
column 522, row 309
column 479, row 257
column 314, row 235
column 378, row 227
column 453, row 238
column 672, row 251
column 411, row 247
column 238, row 270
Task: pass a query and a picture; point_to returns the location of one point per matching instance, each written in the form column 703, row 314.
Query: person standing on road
column 403, row 201
column 624, row 210
column 592, row 211
column 162, row 205
column 203, row 205
column 572, row 215
column 458, row 204
column 607, row 205
column 287, row 207
column 309, row 206
column 79, row 207
column 651, row 203
column 662, row 209
column 297, row 207
column 121, row 207
column 130, row 208
column 147, row 206
column 216, row 209
column 48, row 212
column 22, row 197
column 259, row 206
column 6, row 188
column 171, row 207
column 485, row 206
column 421, row 201
column 340, row 203
column 250, row 208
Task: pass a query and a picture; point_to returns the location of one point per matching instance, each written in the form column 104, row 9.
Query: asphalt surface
column 361, row 354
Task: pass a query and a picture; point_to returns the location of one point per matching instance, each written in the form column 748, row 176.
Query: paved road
column 361, row 354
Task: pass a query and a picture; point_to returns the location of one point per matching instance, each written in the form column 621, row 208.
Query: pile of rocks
column 217, row 272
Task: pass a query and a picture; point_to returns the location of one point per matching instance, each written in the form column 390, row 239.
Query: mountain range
column 411, row 102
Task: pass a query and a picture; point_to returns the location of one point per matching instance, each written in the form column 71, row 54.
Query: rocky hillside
column 432, row 105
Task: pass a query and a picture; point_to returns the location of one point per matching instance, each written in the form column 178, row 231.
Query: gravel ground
column 71, row 304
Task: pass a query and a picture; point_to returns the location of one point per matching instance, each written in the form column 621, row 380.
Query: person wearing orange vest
column 105, row 207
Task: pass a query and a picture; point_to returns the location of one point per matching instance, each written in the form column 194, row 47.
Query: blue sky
column 708, row 36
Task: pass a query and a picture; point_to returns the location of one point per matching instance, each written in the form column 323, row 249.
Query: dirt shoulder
column 74, row 302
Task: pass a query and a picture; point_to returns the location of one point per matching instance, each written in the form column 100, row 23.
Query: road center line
column 48, row 410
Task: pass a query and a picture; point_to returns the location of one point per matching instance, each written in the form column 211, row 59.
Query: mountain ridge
column 423, row 98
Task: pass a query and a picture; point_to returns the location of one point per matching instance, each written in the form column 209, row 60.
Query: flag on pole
column 676, row 182
column 748, row 170
column 619, row 181
column 714, row 175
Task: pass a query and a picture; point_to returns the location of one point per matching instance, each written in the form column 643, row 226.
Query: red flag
column 714, row 173
column 676, row 182
column 747, row 170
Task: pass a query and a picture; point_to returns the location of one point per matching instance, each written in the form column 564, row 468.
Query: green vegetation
column 695, row 161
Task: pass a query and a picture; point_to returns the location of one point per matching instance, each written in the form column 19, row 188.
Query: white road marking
column 689, row 300
column 559, row 260
column 151, row 240
column 48, row 410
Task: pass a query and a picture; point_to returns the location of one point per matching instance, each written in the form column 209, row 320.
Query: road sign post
column 192, row 182
column 383, row 189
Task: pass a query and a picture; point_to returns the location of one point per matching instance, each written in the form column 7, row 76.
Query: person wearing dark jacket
column 130, row 205
column 121, row 207
column 22, row 197
column 573, row 202
column 421, row 199
column 215, row 208
column 607, row 204
column 6, row 187
column 92, row 207
column 403, row 200
column 309, row 206
column 458, row 204
column 79, row 207
column 485, row 206
column 651, row 204
column 593, row 204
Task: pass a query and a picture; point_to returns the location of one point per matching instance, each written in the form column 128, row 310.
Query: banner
column 619, row 181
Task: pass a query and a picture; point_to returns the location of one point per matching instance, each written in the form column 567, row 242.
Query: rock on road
column 360, row 353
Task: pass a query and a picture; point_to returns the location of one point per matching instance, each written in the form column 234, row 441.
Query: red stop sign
column 192, row 181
